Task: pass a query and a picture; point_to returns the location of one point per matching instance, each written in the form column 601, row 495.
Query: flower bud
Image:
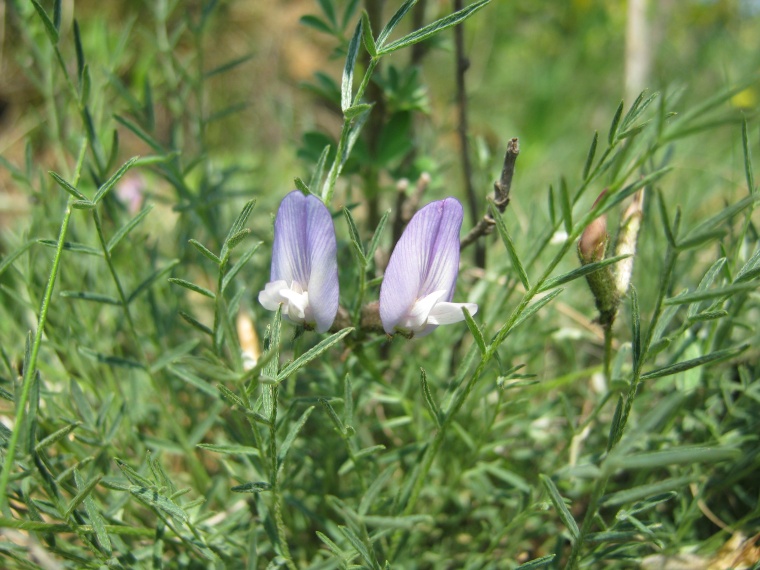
column 630, row 224
column 591, row 248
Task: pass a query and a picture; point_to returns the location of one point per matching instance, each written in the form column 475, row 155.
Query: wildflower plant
column 157, row 412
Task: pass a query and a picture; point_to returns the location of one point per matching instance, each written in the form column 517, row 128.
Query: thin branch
column 501, row 189
column 462, row 64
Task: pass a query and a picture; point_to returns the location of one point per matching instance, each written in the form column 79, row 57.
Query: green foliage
column 145, row 425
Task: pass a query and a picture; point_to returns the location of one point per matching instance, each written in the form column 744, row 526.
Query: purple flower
column 304, row 276
column 422, row 272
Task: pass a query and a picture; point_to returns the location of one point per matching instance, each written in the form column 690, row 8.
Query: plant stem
column 31, row 367
column 608, row 353
column 588, row 520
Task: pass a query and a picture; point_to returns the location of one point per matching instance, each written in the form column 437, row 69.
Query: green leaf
column 393, row 22
column 196, row 323
column 590, row 156
column 84, row 492
column 356, row 110
column 110, row 360
column 319, row 169
column 140, row 133
column 636, row 347
column 560, row 506
column 706, row 281
column 237, row 228
column 358, row 546
column 374, row 490
column 192, row 379
column 726, row 292
column 256, row 487
column 431, row 29
column 579, row 272
column 747, row 158
column 68, row 187
column 348, row 400
column 377, row 235
column 9, row 259
column 432, row 407
column 665, row 220
column 347, row 83
column 205, row 251
column 722, row 216
column 356, row 240
column 152, row 278
column 235, row 269
column 477, row 334
column 236, row 239
column 157, row 501
column 291, row 437
column 536, row 306
column 369, row 40
column 230, row 449
column 748, row 271
column 98, row 523
column 301, row 186
column 93, row 297
column 537, row 563
column 50, row 29
column 71, row 246
column 56, row 436
column 694, row 362
column 329, row 11
column 111, row 182
column 127, row 228
column 332, row 414
column 505, row 237
column 678, row 456
column 86, row 85
column 406, row 522
column 611, row 137
column 631, row 189
column 230, row 65
column 368, row 451
column 83, row 205
column 57, row 15
column 645, row 491
column 317, row 23
column 311, row 354
column 566, row 206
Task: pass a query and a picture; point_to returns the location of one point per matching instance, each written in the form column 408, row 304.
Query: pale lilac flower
column 131, row 191
column 304, row 276
column 422, row 272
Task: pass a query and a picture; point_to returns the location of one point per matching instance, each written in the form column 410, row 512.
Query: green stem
column 31, row 368
column 588, row 520
column 608, row 353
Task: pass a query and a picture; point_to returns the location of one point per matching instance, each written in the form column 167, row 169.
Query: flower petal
column 271, row 297
column 447, row 313
column 305, row 252
column 425, row 260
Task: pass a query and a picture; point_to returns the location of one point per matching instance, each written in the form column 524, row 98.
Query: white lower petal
column 418, row 315
column 448, row 313
column 293, row 298
column 429, row 312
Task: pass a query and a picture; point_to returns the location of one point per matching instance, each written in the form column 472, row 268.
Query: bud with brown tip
column 592, row 247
